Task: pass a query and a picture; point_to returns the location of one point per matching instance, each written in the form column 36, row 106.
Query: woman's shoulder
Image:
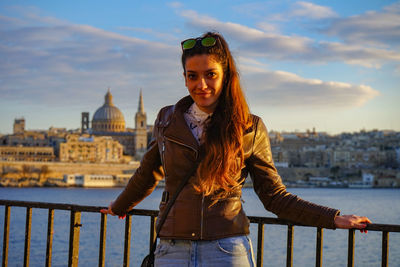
column 166, row 109
column 164, row 115
column 258, row 126
column 254, row 117
column 256, row 120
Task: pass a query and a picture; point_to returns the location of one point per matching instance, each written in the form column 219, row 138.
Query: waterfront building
column 89, row 180
column 366, row 182
column 85, row 148
column 22, row 153
column 96, row 180
column 122, row 179
column 107, row 121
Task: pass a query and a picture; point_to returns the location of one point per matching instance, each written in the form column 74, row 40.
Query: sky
column 329, row 65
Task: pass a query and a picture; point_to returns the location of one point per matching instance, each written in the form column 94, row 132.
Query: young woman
column 207, row 225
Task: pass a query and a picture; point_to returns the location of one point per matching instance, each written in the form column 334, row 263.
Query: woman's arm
column 144, row 180
column 272, row 192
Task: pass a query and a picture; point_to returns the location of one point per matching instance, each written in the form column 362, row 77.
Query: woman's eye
column 191, row 76
column 211, row 74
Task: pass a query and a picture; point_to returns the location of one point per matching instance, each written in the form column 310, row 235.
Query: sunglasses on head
column 207, row 41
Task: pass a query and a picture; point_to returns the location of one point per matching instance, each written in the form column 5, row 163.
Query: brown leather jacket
column 172, row 154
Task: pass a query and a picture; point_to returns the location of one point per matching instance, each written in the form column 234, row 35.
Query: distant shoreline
column 32, row 183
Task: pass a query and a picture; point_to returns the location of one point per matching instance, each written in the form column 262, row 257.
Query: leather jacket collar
column 178, row 130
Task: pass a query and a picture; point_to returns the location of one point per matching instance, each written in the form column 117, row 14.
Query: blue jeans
column 231, row 251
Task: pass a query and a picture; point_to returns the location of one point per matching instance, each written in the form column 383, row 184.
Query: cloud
column 253, row 41
column 6, row 23
column 311, row 11
column 74, row 64
column 162, row 36
column 175, row 4
column 374, row 28
column 356, row 54
column 258, row 43
column 268, row 27
column 68, row 66
column 284, row 89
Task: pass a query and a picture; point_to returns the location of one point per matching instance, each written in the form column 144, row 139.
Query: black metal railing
column 75, row 224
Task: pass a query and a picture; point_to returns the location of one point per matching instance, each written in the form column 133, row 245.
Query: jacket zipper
column 202, row 199
column 182, row 144
column 177, row 142
column 163, row 157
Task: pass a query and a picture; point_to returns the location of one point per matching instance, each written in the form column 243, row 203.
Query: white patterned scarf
column 196, row 119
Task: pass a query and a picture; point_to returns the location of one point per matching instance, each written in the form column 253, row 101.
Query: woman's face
column 204, row 81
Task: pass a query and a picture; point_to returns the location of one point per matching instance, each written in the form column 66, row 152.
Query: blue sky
column 332, row 65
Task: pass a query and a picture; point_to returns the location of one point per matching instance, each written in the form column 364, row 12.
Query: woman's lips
column 203, row 93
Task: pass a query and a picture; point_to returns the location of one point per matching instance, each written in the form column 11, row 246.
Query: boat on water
column 360, row 184
column 366, row 182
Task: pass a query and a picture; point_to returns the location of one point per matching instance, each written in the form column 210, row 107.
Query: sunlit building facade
column 22, row 153
column 85, row 148
column 108, row 120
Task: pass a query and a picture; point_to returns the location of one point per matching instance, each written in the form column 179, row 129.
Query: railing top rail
column 154, row 213
column 370, row 227
column 63, row 206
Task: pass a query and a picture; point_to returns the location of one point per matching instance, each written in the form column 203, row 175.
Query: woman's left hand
column 352, row 221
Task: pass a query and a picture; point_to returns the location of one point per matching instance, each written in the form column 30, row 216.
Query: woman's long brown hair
column 223, row 151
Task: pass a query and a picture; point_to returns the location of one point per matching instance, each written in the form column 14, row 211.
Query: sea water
column 380, row 205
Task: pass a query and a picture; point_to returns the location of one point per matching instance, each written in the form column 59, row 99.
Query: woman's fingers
column 352, row 221
column 105, row 211
column 363, row 223
column 109, row 211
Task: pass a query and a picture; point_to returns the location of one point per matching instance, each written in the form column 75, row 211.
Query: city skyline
column 330, row 66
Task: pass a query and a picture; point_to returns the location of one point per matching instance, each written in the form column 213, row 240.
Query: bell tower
column 85, row 122
column 140, row 128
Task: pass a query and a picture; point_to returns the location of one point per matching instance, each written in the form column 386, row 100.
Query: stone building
column 19, row 126
column 108, row 120
column 85, row 148
column 24, row 153
column 140, row 129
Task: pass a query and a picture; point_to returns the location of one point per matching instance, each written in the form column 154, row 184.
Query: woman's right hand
column 109, row 211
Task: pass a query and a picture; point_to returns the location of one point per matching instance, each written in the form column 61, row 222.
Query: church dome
column 108, row 118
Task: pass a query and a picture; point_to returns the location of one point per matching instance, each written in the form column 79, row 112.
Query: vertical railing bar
column 350, row 249
column 153, row 221
column 320, row 239
column 28, row 225
column 385, row 249
column 50, row 232
column 260, row 245
column 102, row 245
column 127, row 243
column 289, row 249
column 74, row 231
column 6, row 235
